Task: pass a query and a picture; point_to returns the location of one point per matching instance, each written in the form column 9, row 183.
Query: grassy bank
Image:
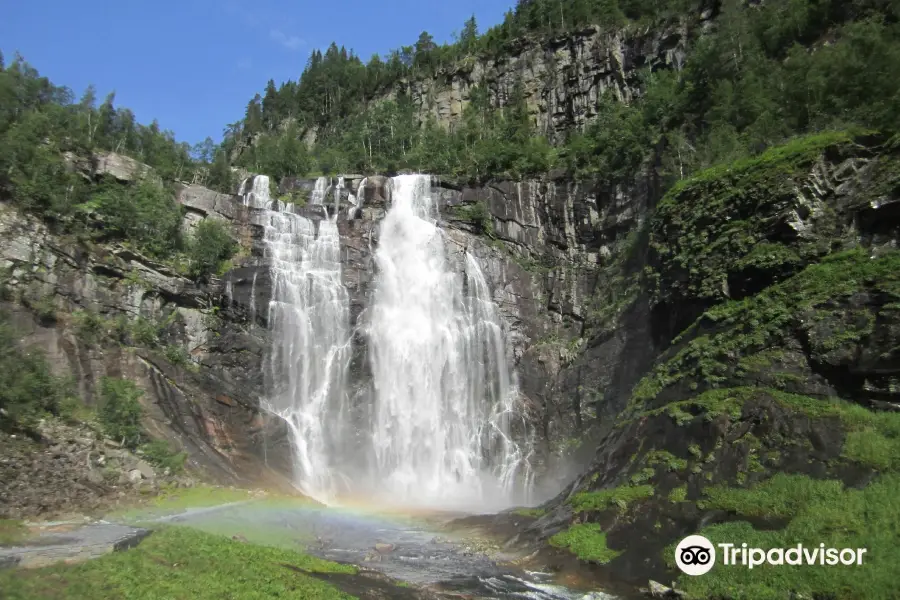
column 177, row 563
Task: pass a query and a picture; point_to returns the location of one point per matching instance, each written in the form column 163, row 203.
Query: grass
column 586, row 541
column 667, row 460
column 12, row 532
column 620, row 497
column 820, row 511
column 177, row 500
column 177, row 563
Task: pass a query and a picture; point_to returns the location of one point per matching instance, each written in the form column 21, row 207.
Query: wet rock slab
column 75, row 545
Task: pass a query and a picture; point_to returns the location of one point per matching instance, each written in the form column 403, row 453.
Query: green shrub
column 144, row 332
column 145, row 214
column 619, row 497
column 478, row 215
column 160, row 453
column 28, row 387
column 89, row 326
column 73, row 411
column 211, row 245
column 120, row 411
column 177, row 355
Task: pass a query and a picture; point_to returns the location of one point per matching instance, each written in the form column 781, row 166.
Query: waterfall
column 337, row 194
column 443, row 426
column 319, row 191
column 444, row 398
column 308, row 317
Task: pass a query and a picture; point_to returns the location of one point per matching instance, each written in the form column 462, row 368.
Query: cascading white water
column 308, row 316
column 444, row 405
column 337, row 194
column 444, row 399
column 319, row 191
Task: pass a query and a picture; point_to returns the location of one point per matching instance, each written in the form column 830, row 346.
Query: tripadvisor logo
column 696, row 555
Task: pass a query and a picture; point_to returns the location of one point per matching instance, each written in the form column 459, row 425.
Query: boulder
column 145, row 470
column 118, row 166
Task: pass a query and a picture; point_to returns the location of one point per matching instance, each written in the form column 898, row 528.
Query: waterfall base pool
column 418, row 549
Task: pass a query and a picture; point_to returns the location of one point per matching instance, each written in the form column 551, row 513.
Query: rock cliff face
column 538, row 243
column 105, row 310
column 562, row 78
column 732, row 321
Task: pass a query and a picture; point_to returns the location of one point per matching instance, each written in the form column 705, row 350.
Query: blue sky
column 194, row 64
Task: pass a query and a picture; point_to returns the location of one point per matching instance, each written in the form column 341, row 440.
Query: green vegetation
column 619, row 497
column 685, row 240
column 587, row 541
column 46, row 139
column 210, row 246
column 28, row 388
column 746, row 85
column 159, row 453
column 872, row 438
column 120, row 415
column 120, row 411
column 145, row 214
column 678, row 494
column 12, row 532
column 478, row 215
column 177, row 562
column 177, row 355
column 743, row 328
column 176, row 500
column 819, row 511
column 667, row 460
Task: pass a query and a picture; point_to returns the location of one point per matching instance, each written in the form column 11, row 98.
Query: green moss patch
column 820, row 511
column 180, row 563
column 678, row 494
column 619, row 497
column 587, row 541
column 718, row 221
column 533, row 513
column 667, row 460
column 814, row 301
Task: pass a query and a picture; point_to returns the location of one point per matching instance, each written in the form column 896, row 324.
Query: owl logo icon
column 695, row 555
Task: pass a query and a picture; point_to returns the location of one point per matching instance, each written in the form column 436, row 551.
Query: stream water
column 417, row 549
